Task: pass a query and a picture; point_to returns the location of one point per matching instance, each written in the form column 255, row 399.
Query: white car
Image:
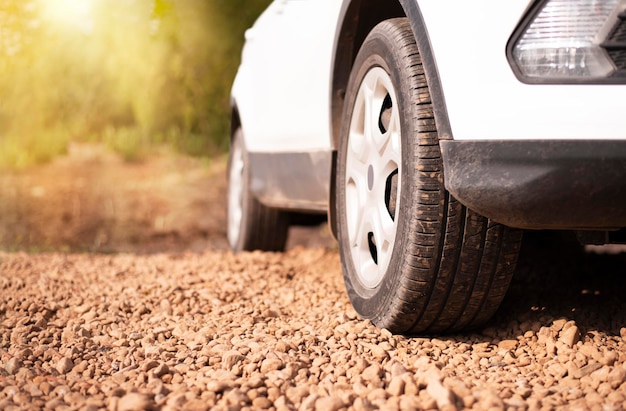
column 430, row 133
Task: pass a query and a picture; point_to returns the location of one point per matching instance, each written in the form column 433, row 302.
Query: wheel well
column 235, row 120
column 360, row 18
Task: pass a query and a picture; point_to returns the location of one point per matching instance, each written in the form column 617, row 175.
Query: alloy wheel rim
column 373, row 177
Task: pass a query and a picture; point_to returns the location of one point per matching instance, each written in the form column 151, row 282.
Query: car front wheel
column 414, row 259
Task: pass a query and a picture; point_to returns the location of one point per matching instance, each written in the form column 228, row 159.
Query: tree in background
column 126, row 72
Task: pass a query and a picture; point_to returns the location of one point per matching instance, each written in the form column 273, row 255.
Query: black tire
column 446, row 267
column 251, row 225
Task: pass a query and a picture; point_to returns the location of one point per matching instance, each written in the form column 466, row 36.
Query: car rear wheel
column 251, row 225
column 414, row 259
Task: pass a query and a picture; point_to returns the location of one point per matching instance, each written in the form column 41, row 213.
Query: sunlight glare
column 71, row 13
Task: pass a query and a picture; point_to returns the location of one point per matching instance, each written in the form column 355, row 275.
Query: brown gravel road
column 206, row 329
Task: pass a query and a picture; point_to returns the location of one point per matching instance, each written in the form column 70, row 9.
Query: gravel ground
column 213, row 330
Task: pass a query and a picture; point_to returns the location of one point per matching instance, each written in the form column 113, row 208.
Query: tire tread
column 456, row 265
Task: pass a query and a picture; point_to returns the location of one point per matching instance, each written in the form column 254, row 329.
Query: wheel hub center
column 370, row 177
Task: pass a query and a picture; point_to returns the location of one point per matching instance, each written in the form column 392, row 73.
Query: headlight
column 563, row 40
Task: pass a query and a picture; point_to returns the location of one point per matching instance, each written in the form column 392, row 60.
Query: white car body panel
column 485, row 100
column 282, row 89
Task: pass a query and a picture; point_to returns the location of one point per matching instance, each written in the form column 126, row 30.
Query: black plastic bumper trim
column 540, row 184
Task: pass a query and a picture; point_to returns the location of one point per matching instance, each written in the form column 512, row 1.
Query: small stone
column 309, row 402
column 557, row 325
column 362, row 404
column 161, row 370
column 372, row 373
column 177, row 400
column 557, row 370
column 55, row 403
column 377, row 394
column 33, row 390
column 458, row 387
column 586, row 370
column 609, row 358
column 148, row 365
column 443, row 396
column 570, row 336
column 273, row 394
column 218, row 386
column 396, row 387
column 255, row 382
column 64, row 365
column 231, row 358
column 507, row 345
column 67, row 336
column 427, row 402
column 379, row 352
column 616, row 377
column 261, row 403
column 409, row 403
column 135, row 336
column 410, row 387
column 515, row 403
column 24, row 354
column 196, row 404
column 468, row 401
column 328, row 404
column 397, row 369
column 134, row 402
column 271, row 364
column 544, row 335
column 13, row 365
column 488, row 400
column 600, row 375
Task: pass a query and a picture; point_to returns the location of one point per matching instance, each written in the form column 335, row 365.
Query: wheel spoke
column 370, row 109
column 357, row 169
column 384, row 229
column 373, row 157
column 361, row 249
column 379, row 89
column 391, row 155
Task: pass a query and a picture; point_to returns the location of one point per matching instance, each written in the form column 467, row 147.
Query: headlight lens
column 563, row 40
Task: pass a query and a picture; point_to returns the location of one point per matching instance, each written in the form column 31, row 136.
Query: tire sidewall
column 377, row 51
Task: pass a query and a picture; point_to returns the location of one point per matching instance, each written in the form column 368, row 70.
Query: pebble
column 372, row 373
column 271, row 364
column 218, row 386
column 443, row 396
column 134, row 402
column 64, row 365
column 570, row 336
column 231, row 358
column 617, row 376
column 507, row 345
column 586, row 370
column 13, row 365
column 396, row 386
column 328, row 404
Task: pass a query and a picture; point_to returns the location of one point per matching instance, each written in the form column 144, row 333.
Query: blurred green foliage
column 129, row 73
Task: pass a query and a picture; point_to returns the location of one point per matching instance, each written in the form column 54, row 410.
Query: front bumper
column 540, row 184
